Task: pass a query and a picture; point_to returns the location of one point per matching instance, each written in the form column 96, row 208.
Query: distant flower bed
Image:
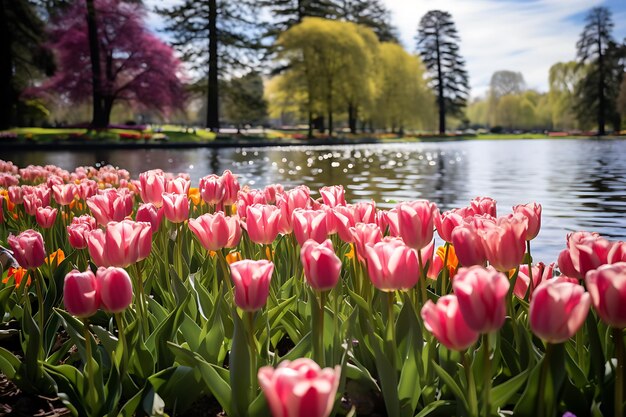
column 131, row 295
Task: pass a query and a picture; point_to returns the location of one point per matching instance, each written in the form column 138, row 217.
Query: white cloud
column 527, row 36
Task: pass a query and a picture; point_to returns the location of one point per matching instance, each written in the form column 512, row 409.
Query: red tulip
column 617, row 253
column 252, row 283
column 607, row 288
column 115, row 288
column 211, row 189
column 558, row 310
column 211, row 230
column 175, row 207
column 299, row 388
column 150, row 213
column 445, row 320
column 46, row 216
column 28, row 249
column 262, row 223
column 80, row 293
column 482, row 297
column 321, row 266
column 416, row 222
column 532, row 212
column 392, row 265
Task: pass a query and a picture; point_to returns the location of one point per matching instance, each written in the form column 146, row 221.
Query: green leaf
column 9, row 363
column 451, row 384
column 503, row 392
column 178, row 386
column 239, row 364
column 449, row 406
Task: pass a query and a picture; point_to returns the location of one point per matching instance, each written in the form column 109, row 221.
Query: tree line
column 313, row 62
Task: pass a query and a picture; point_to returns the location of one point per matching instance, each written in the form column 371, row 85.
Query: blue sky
column 518, row 35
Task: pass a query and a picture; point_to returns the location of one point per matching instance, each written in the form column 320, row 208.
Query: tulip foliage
column 145, row 296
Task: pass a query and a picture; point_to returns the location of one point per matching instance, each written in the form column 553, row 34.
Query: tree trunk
column 107, row 108
column 212, row 117
column 310, row 132
column 440, row 98
column 601, row 98
column 98, row 119
column 352, row 117
column 7, row 95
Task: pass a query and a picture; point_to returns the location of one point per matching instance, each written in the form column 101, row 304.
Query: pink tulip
column 541, row 273
column 468, row 245
column 252, row 283
column 445, row 320
column 321, row 266
column 28, row 249
column 87, row 188
column 585, row 252
column 393, row 222
column 607, row 288
column 392, row 265
column 231, row 188
column 80, row 293
column 211, row 230
column 175, row 207
column 558, row 310
column 178, row 186
column 364, row 212
column 15, row 194
column 299, row 388
column 617, row 253
column 31, row 203
column 482, row 297
column 309, row 224
column 532, row 212
column 505, row 243
column 248, row 197
column 150, row 213
column 64, row 194
column 434, row 268
column 54, row 180
column 364, row 234
column 234, row 231
column 211, row 189
column 446, row 223
column 115, row 288
column 344, row 220
column 121, row 244
column 46, row 216
column 298, row 198
column 272, row 191
column 78, row 230
column 416, row 222
column 333, row 196
column 152, row 186
column 483, row 205
column 262, row 223
column 111, row 205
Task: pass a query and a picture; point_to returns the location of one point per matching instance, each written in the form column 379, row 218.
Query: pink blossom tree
column 135, row 65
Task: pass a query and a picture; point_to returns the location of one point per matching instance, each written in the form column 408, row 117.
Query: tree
column 288, row 13
column 330, row 59
column 438, row 44
column 22, row 56
column 506, row 82
column 563, row 80
column 403, row 99
column 372, row 14
column 597, row 91
column 244, row 102
column 213, row 36
column 135, row 66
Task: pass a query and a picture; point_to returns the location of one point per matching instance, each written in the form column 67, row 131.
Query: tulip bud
column 116, row 289
column 28, row 249
column 416, row 222
column 321, row 266
column 445, row 320
column 175, row 207
column 46, row 216
column 80, row 293
column 252, row 283
column 607, row 288
column 392, row 265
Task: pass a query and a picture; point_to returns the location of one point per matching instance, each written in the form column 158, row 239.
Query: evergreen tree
column 22, row 56
column 438, row 44
column 214, row 36
column 287, row 13
column 597, row 92
column 244, row 102
column 372, row 14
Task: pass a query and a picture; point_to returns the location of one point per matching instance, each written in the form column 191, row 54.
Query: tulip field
column 154, row 296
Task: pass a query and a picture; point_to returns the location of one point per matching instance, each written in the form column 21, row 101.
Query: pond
column 580, row 183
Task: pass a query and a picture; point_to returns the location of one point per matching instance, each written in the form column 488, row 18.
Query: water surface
column 580, row 183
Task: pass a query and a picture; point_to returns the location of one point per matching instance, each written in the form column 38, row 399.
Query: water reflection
column 580, row 183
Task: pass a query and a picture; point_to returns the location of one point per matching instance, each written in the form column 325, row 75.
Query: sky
column 527, row 36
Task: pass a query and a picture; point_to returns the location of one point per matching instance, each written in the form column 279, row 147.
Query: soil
column 15, row 403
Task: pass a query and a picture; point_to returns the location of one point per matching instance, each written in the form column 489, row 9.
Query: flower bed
column 127, row 296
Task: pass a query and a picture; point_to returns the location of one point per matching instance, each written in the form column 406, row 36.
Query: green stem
column 529, row 260
column 445, row 271
column 252, row 347
column 390, row 336
column 471, row 384
column 40, row 315
column 619, row 376
column 92, row 395
column 421, row 282
column 123, row 344
column 224, row 267
column 319, row 353
column 487, row 374
column 545, row 368
column 141, row 302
